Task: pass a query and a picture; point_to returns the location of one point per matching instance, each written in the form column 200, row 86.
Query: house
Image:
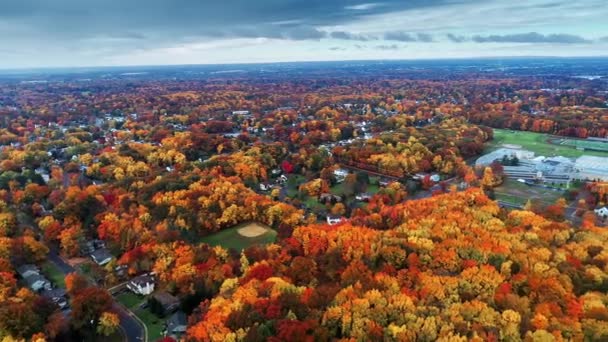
column 142, row 285
column 329, row 198
column 265, row 186
column 364, row 197
column 340, row 175
column 101, row 256
column 282, row 180
column 333, row 220
column 58, row 296
column 384, row 182
column 177, row 325
column 602, row 212
column 28, row 270
column 163, row 303
column 37, row 282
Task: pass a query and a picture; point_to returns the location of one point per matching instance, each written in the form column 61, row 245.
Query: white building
column 333, row 220
column 602, row 212
column 489, row 158
column 340, row 175
column 142, row 285
column 591, row 168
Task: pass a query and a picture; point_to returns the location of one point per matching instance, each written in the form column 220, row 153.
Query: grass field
column 230, row 238
column 514, row 192
column 537, row 143
column 54, row 274
column 588, row 145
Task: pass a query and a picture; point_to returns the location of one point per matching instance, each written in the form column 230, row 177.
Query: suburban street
column 130, row 326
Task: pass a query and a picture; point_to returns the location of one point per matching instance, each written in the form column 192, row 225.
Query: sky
column 66, row 33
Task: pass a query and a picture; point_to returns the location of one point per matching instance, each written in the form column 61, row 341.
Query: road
column 131, row 328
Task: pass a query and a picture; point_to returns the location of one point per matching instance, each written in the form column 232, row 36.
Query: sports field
column 242, row 236
column 588, row 145
column 538, row 143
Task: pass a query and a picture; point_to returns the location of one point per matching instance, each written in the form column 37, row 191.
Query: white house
column 142, row 285
column 265, row 186
column 602, row 212
column 340, row 175
column 333, row 220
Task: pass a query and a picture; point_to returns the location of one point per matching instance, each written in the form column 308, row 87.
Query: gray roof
column 54, row 293
column 34, row 278
column 101, row 255
column 142, row 280
column 166, row 299
column 27, row 268
column 178, row 322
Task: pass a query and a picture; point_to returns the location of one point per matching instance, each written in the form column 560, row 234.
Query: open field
column 232, row 238
column 514, row 192
column 537, row 143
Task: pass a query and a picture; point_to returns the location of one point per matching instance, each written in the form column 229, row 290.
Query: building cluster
column 549, row 170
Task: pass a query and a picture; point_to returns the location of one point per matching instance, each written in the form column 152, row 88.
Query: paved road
column 132, row 329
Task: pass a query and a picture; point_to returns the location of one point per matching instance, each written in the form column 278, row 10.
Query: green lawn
column 537, row 143
column 230, row 238
column 155, row 325
column 129, row 299
column 54, row 274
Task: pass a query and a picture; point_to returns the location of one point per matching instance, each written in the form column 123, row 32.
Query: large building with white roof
column 591, row 168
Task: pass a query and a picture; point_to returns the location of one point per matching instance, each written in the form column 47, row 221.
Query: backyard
column 54, row 274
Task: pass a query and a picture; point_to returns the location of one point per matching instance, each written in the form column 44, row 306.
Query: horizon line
column 4, row 70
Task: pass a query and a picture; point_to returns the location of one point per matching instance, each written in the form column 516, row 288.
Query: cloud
column 604, row 39
column 401, row 36
column 351, row 36
column 456, row 39
column 424, row 37
column 363, row 7
column 337, row 48
column 532, row 37
column 387, row 47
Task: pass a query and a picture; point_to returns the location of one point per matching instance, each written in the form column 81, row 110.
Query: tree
column 88, row 306
column 108, row 323
column 489, row 179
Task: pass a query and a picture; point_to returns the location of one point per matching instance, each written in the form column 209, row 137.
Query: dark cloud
column 188, row 19
column 387, row 47
column 604, row 39
column 532, row 37
column 401, row 36
column 456, row 39
column 337, row 48
column 351, row 36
